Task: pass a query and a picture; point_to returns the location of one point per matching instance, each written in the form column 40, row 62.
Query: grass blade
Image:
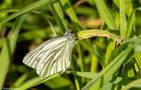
column 134, row 83
column 123, row 22
column 27, row 9
column 8, row 48
column 93, row 32
column 35, row 81
column 111, row 68
column 105, row 14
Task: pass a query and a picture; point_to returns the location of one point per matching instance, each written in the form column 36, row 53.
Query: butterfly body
column 52, row 56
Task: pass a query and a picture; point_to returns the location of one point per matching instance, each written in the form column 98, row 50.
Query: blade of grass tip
column 8, row 48
column 27, row 9
column 94, row 32
column 105, row 14
column 122, row 18
column 112, row 67
column 35, row 81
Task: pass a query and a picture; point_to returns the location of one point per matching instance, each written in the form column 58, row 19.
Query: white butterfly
column 52, row 56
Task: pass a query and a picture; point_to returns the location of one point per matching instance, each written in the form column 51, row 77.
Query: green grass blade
column 1, row 42
column 5, row 61
column 130, row 26
column 107, row 72
column 81, row 59
column 72, row 15
column 135, row 83
column 8, row 48
column 109, row 51
column 69, row 10
column 87, row 74
column 123, row 23
column 57, row 12
column 64, row 83
column 35, row 81
column 93, row 32
column 138, row 59
column 75, row 68
column 27, row 9
column 20, row 80
column 94, row 63
column 105, row 14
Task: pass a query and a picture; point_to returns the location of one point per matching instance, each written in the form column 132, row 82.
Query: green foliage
column 106, row 56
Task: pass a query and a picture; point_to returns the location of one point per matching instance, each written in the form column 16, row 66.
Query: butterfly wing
column 34, row 57
column 52, row 56
column 55, row 61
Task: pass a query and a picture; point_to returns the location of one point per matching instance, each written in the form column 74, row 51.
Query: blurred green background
column 106, row 56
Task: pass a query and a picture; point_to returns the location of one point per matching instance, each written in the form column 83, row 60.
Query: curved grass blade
column 92, row 33
column 27, row 9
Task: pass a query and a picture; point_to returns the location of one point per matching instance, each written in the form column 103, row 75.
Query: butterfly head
column 70, row 36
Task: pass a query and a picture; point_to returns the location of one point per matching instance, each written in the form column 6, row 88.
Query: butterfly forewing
column 52, row 56
column 33, row 58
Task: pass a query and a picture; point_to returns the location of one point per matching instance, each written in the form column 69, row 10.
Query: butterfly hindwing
column 56, row 61
column 49, row 60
